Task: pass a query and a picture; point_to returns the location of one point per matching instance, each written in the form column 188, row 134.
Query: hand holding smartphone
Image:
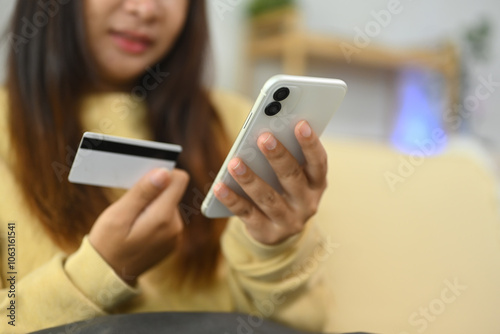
column 283, row 102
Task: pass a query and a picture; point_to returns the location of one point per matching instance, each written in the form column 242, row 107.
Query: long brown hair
column 50, row 71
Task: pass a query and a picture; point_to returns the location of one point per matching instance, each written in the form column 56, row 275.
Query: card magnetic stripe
column 128, row 149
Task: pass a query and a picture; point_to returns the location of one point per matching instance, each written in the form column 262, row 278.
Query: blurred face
column 125, row 37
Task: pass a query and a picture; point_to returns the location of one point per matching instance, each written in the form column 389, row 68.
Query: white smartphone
column 283, row 102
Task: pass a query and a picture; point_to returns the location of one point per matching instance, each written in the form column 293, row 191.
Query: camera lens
column 281, row 94
column 273, row 108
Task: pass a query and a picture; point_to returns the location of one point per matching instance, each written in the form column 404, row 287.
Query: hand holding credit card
column 116, row 162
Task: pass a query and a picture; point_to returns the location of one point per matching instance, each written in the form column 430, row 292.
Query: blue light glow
column 419, row 118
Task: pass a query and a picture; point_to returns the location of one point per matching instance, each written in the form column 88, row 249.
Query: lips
column 132, row 42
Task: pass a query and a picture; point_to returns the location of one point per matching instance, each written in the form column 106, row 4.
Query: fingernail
column 238, row 167
column 270, row 142
column 305, row 129
column 221, row 190
column 159, row 177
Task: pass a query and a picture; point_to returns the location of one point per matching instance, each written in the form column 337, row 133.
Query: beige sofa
column 417, row 242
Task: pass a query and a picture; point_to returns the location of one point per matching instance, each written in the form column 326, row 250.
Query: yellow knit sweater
column 44, row 287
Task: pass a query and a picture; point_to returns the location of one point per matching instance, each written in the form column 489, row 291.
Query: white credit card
column 117, row 162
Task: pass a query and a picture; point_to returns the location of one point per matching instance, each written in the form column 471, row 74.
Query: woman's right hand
column 141, row 228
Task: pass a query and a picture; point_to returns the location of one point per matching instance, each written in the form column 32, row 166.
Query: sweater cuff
column 93, row 276
column 263, row 252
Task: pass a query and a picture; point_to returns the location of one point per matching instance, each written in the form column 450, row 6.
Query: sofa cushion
column 418, row 242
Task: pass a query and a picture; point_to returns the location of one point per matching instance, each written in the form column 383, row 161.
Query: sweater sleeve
column 278, row 282
column 64, row 290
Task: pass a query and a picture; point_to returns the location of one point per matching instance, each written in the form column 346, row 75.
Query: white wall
column 7, row 7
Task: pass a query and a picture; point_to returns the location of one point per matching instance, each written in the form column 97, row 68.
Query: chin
column 124, row 78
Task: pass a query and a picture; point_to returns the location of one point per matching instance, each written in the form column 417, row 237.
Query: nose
column 147, row 10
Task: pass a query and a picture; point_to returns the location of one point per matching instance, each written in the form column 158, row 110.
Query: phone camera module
column 281, row 94
column 273, row 108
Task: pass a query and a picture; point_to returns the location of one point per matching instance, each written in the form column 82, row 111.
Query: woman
column 134, row 68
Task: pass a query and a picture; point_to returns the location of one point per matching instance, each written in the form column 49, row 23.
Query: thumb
column 137, row 198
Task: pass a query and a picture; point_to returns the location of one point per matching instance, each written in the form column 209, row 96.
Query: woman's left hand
column 274, row 217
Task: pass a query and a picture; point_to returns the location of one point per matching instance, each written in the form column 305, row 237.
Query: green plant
column 476, row 47
column 478, row 40
column 258, row 7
